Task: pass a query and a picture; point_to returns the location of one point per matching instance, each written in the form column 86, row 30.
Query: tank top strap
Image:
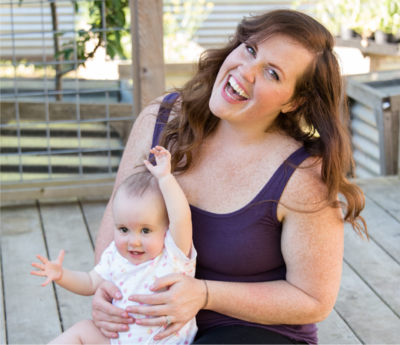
column 282, row 176
column 162, row 119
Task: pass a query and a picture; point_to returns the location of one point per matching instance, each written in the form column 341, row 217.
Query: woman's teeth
column 237, row 88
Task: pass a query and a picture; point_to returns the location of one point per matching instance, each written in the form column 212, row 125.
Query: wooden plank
column 375, row 266
column 370, row 319
column 93, row 211
column 93, row 189
column 383, row 228
column 147, row 51
column 3, row 334
column 65, row 229
column 384, row 193
column 32, row 315
column 334, row 330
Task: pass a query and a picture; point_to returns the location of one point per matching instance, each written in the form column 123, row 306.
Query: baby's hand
column 50, row 269
column 163, row 160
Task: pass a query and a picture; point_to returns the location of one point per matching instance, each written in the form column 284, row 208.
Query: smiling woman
column 262, row 187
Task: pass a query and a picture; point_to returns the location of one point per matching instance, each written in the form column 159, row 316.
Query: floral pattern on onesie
column 136, row 279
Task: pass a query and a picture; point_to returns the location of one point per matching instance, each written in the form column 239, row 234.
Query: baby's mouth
column 135, row 253
column 234, row 91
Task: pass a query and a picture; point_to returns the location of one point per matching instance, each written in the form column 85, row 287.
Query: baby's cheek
column 156, row 247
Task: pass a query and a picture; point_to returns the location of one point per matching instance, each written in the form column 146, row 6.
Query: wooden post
column 147, row 51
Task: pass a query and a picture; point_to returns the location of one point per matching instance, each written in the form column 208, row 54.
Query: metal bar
column 78, row 114
column 52, row 93
column 63, row 31
column 112, row 119
column 55, row 152
column 44, row 1
column 46, row 100
column 103, row 17
column 16, row 98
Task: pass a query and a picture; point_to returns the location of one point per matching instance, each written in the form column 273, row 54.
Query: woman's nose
column 248, row 71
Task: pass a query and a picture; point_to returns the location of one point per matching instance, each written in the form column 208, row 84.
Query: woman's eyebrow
column 277, row 67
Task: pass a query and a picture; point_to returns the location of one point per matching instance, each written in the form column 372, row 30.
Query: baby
column 152, row 238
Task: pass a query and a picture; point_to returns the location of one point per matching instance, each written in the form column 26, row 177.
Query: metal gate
column 56, row 120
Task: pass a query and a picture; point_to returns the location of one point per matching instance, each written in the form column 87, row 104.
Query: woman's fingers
column 173, row 328
column 150, row 311
column 106, row 316
column 163, row 282
column 108, row 334
column 156, row 321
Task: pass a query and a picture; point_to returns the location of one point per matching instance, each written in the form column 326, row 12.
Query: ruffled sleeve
column 177, row 259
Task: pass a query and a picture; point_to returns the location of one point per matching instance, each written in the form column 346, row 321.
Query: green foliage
column 181, row 21
column 114, row 16
column 363, row 16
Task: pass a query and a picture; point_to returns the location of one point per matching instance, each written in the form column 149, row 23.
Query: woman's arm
column 312, row 246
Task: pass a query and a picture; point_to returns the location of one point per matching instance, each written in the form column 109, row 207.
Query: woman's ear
column 293, row 105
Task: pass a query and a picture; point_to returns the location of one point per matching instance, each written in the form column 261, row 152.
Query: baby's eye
column 251, row 50
column 123, row 230
column 145, row 231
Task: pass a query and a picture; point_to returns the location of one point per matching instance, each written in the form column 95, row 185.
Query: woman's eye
column 145, row 231
column 251, row 50
column 273, row 74
column 123, row 230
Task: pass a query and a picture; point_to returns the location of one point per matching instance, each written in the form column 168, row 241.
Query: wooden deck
column 367, row 310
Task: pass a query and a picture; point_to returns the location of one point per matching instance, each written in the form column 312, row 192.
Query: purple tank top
column 243, row 246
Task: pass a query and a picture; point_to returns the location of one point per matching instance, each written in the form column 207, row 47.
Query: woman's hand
column 181, row 302
column 106, row 316
column 51, row 269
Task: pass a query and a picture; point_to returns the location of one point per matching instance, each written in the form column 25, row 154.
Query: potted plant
column 388, row 21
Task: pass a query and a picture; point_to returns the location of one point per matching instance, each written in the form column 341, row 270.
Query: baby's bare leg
column 84, row 332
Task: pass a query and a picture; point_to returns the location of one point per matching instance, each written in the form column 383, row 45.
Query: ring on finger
column 168, row 320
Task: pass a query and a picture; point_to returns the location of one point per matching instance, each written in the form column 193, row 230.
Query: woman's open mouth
column 234, row 91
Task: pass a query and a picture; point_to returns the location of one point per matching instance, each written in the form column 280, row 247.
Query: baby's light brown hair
column 138, row 184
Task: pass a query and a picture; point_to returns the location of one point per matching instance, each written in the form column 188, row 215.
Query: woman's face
column 265, row 75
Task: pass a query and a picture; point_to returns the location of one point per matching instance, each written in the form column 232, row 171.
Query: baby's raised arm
column 180, row 219
column 81, row 283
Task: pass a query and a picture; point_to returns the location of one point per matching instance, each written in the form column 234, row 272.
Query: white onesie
column 136, row 279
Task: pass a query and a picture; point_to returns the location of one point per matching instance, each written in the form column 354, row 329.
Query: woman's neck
column 238, row 135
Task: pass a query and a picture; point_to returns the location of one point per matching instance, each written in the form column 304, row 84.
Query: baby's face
column 140, row 224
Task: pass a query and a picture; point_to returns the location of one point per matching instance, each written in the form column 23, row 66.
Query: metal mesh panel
column 58, row 127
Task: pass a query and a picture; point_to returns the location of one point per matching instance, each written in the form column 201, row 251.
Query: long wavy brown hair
column 321, row 122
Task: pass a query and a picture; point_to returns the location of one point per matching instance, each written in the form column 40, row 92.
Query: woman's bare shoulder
column 305, row 189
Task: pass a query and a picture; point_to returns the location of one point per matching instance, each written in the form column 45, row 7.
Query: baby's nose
column 134, row 240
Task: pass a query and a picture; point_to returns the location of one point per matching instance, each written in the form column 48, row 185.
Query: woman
column 269, row 236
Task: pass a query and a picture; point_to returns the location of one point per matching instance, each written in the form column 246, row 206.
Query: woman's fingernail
column 128, row 309
column 156, row 338
column 151, row 287
column 115, row 335
column 124, row 315
column 130, row 320
column 124, row 327
column 138, row 322
column 130, row 298
column 118, row 294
